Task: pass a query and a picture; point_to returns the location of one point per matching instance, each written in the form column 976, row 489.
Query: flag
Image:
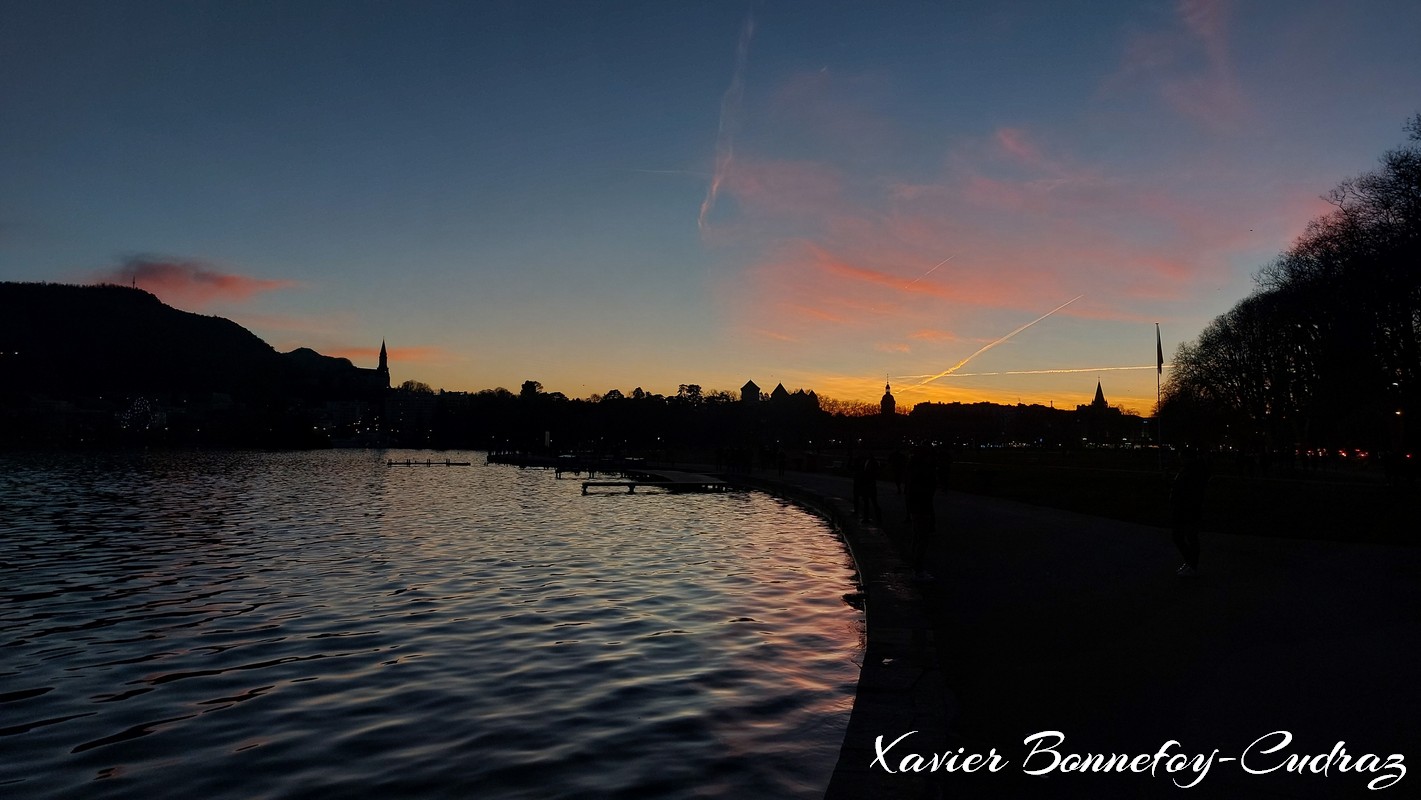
column 1159, row 352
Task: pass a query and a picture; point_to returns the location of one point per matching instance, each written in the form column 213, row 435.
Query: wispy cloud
column 187, row 282
column 1015, row 143
column 773, row 335
column 803, row 190
column 331, row 334
column 730, row 105
column 929, row 335
column 842, row 248
column 1026, row 223
column 1190, row 66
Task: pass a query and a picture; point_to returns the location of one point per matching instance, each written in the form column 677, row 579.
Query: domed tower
column 887, row 406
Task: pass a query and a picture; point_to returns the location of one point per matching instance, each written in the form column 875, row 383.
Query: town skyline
column 598, row 197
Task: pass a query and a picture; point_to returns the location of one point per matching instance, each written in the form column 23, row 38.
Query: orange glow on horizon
column 857, row 389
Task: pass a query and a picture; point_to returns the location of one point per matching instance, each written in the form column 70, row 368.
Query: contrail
column 729, row 120
column 929, row 272
column 990, row 345
column 1031, row 372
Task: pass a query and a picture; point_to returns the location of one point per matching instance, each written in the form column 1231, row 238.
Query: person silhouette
column 866, row 490
column 1186, row 501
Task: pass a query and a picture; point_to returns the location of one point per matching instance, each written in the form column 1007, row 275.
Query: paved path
column 1049, row 620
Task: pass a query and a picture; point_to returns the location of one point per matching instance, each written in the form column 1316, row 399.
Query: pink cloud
column 1208, row 20
column 795, row 188
column 1190, row 66
column 1014, row 143
column 993, row 193
column 774, row 335
column 930, row 335
column 189, row 283
column 844, row 256
column 1021, row 242
column 809, row 312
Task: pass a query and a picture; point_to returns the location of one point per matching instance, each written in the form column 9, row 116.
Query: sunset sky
column 604, row 195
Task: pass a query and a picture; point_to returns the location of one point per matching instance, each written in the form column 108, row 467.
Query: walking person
column 1186, row 505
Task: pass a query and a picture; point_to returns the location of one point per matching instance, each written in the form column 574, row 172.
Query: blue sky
column 611, row 195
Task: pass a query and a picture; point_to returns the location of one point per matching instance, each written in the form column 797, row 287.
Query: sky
column 600, row 195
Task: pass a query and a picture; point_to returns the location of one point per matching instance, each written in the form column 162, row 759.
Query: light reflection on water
column 254, row 625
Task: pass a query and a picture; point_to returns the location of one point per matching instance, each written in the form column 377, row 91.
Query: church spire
column 384, row 368
column 1099, row 401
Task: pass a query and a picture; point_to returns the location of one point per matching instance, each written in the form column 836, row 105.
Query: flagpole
column 1159, row 417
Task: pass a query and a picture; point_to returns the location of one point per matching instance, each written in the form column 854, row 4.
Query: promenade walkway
column 1046, row 620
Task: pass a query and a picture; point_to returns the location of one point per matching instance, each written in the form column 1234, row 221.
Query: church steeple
column 1099, row 401
column 888, row 406
column 384, row 368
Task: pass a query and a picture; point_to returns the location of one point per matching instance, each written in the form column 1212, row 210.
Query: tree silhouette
column 1327, row 352
column 690, row 393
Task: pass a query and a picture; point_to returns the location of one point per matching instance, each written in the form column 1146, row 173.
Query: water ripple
column 245, row 625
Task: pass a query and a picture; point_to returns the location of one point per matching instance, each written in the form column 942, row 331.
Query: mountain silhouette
column 86, row 341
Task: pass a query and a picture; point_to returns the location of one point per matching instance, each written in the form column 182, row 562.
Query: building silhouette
column 383, row 371
column 887, row 406
column 1100, row 422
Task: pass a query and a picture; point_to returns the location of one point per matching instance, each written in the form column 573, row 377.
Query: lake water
column 257, row 625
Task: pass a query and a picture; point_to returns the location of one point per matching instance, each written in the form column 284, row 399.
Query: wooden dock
column 670, row 480
column 427, row 463
column 635, row 472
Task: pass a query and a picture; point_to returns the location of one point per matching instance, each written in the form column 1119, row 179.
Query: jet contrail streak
column 929, row 272
column 990, row 345
column 1030, row 372
column 729, row 119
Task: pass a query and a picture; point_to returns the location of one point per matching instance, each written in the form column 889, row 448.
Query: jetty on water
column 634, row 473
column 670, row 480
column 409, row 462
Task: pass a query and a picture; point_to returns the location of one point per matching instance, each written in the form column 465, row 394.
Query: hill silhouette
column 81, row 341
